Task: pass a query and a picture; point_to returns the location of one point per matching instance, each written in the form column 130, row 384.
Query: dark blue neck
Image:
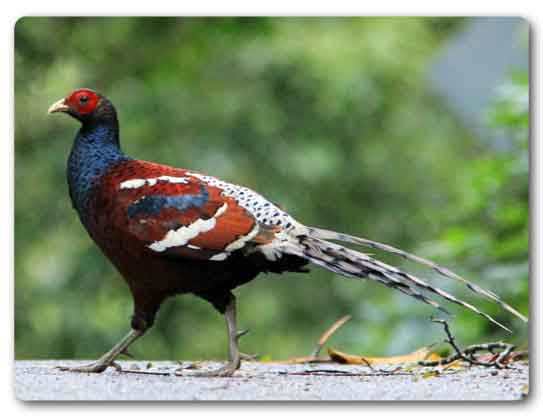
column 95, row 150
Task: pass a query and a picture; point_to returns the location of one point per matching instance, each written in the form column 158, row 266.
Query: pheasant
column 172, row 231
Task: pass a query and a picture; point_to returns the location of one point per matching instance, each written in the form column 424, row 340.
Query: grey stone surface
column 39, row 380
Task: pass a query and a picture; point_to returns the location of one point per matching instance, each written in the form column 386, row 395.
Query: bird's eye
column 83, row 99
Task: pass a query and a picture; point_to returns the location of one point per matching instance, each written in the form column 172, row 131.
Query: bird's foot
column 226, row 371
column 96, row 367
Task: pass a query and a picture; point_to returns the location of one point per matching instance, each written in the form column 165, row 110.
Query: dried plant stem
column 328, row 333
column 468, row 354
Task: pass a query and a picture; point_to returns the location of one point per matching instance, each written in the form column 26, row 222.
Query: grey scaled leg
column 233, row 350
column 107, row 360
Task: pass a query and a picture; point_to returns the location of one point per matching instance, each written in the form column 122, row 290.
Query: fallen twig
column 468, row 354
column 328, row 333
column 342, row 373
column 314, row 357
column 153, row 373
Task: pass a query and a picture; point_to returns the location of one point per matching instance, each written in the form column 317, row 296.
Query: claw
column 127, row 353
column 96, row 367
column 241, row 333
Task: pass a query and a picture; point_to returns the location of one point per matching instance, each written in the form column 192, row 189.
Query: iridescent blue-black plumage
column 95, row 151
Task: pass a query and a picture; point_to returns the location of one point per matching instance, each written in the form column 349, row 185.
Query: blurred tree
column 329, row 117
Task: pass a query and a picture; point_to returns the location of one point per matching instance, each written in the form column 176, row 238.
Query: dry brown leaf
column 416, row 356
column 314, row 357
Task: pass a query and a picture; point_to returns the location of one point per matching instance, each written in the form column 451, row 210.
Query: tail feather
column 332, row 235
column 347, row 269
column 351, row 263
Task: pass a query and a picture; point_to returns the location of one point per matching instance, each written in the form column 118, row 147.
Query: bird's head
column 85, row 105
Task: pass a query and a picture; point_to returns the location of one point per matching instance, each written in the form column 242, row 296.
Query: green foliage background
column 331, row 118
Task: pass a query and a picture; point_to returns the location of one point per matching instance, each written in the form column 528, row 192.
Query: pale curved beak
column 59, row 106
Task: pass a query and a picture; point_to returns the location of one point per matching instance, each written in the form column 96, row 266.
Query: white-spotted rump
column 264, row 211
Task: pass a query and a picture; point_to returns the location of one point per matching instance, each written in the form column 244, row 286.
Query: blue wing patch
column 152, row 205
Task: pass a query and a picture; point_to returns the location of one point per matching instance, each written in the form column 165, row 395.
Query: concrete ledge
column 39, row 380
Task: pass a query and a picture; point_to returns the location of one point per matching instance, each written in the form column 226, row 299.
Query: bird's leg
column 233, row 350
column 107, row 360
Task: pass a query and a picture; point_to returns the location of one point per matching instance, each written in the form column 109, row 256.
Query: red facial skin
column 83, row 101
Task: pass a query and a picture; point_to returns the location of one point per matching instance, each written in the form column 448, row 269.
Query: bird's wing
column 176, row 212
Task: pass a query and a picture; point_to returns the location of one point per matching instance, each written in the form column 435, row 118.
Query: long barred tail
column 332, row 235
column 351, row 263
